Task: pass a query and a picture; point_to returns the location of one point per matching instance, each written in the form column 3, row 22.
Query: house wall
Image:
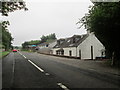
column 72, row 49
column 85, row 47
column 44, row 50
column 66, row 51
column 54, row 50
column 47, row 50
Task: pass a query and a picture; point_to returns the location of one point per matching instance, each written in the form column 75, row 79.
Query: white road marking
column 62, row 86
column 47, row 74
column 36, row 66
column 20, row 53
column 13, row 69
column 24, row 56
column 92, row 69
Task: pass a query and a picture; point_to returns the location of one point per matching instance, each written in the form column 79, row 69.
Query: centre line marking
column 62, row 86
column 36, row 66
column 23, row 56
column 47, row 74
column 19, row 53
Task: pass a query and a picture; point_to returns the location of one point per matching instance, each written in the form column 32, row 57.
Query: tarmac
column 95, row 65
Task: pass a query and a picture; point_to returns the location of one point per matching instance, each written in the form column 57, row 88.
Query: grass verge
column 2, row 54
column 27, row 50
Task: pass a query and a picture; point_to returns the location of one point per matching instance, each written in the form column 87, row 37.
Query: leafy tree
column 7, row 6
column 6, row 36
column 104, row 20
column 48, row 37
column 43, row 38
column 25, row 45
column 34, row 42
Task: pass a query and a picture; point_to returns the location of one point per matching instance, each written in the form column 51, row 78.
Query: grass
column 2, row 54
column 109, row 61
column 26, row 50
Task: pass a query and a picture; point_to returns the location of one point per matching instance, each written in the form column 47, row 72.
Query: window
column 47, row 45
column 103, row 53
column 57, row 52
column 68, row 41
column 62, row 52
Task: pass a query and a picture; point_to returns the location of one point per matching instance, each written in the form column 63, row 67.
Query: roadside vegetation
column 4, row 53
column 6, row 35
column 7, row 6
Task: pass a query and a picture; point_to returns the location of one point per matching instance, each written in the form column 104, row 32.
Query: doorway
column 80, row 54
column 70, row 53
column 91, row 52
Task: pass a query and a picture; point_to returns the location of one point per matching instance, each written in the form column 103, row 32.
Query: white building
column 83, row 46
column 47, row 47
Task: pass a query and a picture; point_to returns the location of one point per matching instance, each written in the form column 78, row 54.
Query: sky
column 45, row 17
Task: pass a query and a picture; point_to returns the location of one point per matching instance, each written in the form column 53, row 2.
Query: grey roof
column 47, row 43
column 73, row 41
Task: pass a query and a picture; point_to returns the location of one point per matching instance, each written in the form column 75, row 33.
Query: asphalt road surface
column 23, row 70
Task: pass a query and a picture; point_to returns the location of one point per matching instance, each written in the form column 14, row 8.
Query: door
column 80, row 54
column 70, row 53
column 91, row 52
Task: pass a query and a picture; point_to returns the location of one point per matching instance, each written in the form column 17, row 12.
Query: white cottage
column 47, row 47
column 85, row 46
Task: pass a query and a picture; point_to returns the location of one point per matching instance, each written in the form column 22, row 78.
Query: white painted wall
column 47, row 50
column 66, row 51
column 54, row 50
column 85, row 47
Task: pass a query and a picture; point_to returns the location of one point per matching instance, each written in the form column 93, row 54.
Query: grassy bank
column 109, row 61
column 26, row 50
column 2, row 54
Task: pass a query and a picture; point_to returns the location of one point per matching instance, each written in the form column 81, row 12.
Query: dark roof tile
column 73, row 41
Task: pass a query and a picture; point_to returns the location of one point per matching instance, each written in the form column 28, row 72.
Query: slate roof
column 46, row 43
column 73, row 41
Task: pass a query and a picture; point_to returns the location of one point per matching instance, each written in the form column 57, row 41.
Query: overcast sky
column 45, row 17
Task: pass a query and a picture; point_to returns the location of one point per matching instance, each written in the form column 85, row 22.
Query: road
column 33, row 70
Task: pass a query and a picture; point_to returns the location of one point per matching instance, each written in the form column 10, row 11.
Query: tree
column 25, row 45
column 43, row 39
column 7, row 6
column 6, row 36
column 48, row 37
column 103, row 19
